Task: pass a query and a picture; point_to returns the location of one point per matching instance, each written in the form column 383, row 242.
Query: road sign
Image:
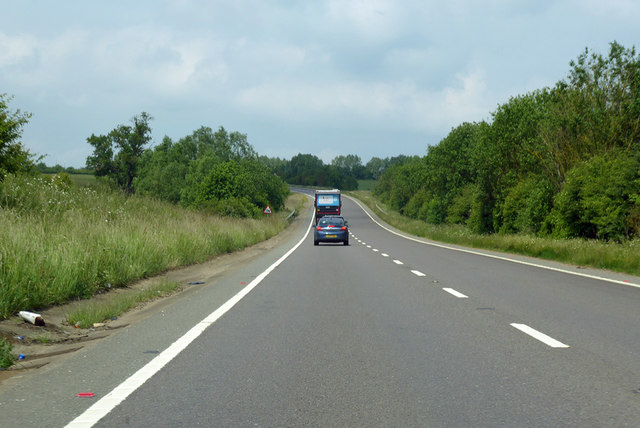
column 267, row 210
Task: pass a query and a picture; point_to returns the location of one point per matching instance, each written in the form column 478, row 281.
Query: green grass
column 84, row 179
column 619, row 257
column 6, row 354
column 366, row 184
column 88, row 313
column 60, row 242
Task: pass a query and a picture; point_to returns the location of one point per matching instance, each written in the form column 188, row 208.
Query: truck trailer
column 327, row 202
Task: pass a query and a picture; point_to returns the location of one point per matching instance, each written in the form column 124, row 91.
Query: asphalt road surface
column 389, row 331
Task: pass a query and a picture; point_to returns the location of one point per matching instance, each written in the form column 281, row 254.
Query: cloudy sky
column 365, row 77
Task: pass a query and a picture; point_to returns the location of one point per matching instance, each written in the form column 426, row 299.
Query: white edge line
column 548, row 340
column 458, row 294
column 433, row 244
column 106, row 404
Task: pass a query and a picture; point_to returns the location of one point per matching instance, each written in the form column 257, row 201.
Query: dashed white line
column 417, row 273
column 458, row 294
column 375, row 250
column 548, row 340
column 368, row 246
column 478, row 253
column 398, row 262
column 385, row 255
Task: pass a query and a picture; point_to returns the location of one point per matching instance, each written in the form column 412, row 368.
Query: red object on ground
column 86, row 394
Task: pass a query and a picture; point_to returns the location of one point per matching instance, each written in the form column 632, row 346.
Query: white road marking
column 417, row 273
column 398, row 262
column 458, row 294
column 550, row 341
column 102, row 407
column 375, row 250
column 368, row 246
column 385, row 255
column 477, row 253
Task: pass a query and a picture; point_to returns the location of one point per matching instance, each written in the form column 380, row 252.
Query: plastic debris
column 35, row 319
column 86, row 394
column 196, row 282
column 98, row 324
column 21, row 357
column 114, row 318
column 19, row 337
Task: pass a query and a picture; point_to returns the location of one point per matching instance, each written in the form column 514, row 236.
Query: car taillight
column 343, row 228
column 318, row 228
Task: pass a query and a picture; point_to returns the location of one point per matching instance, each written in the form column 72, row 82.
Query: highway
column 389, row 331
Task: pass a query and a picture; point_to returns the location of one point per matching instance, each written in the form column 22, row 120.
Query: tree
column 13, row 156
column 121, row 166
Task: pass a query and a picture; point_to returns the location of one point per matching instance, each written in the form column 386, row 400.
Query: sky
column 372, row 78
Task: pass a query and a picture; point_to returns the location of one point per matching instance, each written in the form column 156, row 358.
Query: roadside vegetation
column 88, row 313
column 615, row 256
column 561, row 162
column 60, row 242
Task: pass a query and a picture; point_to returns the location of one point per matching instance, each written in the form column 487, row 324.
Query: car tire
column 315, row 242
column 346, row 242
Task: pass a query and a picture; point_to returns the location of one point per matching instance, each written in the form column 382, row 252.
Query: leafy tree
column 162, row 171
column 600, row 198
column 120, row 166
column 596, row 109
column 13, row 156
column 350, row 165
column 376, row 166
column 241, row 188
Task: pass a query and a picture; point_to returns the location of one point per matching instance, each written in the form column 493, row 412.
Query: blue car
column 331, row 228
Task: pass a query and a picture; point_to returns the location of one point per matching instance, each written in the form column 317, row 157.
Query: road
column 389, row 331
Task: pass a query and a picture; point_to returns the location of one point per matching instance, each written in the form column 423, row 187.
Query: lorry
column 327, row 202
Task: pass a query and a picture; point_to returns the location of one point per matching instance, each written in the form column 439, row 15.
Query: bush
column 599, row 198
column 460, row 208
column 527, row 205
column 6, row 356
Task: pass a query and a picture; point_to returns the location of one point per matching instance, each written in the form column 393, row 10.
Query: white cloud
column 15, row 49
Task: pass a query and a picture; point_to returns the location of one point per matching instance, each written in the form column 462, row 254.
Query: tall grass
column 59, row 241
column 619, row 257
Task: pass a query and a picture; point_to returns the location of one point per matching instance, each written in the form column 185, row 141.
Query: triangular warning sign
column 267, row 210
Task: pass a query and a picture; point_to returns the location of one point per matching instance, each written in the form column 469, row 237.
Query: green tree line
column 216, row 171
column 561, row 161
column 343, row 172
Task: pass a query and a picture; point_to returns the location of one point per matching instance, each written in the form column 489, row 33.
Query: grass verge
column 618, row 257
column 87, row 314
column 60, row 242
column 6, row 354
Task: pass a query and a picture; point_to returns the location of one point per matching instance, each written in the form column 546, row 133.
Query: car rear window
column 331, row 222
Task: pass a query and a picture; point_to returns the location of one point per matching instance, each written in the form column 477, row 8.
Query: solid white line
column 455, row 293
column 398, row 262
column 417, row 273
column 550, row 341
column 477, row 253
column 106, row 404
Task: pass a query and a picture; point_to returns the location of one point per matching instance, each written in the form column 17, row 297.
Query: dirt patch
column 57, row 339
